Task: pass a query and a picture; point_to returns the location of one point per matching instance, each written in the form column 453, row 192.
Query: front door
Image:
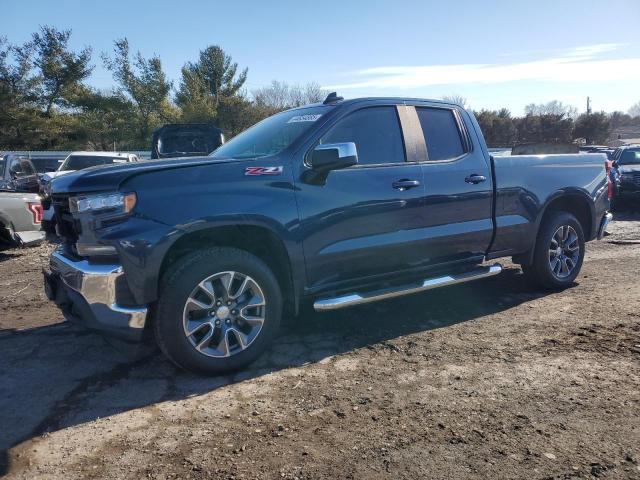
column 361, row 222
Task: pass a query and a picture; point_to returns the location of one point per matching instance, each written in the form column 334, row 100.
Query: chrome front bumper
column 86, row 293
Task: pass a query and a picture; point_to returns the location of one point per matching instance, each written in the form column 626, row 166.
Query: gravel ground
column 488, row 379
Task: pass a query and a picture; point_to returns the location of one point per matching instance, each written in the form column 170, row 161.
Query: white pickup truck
column 20, row 218
column 76, row 161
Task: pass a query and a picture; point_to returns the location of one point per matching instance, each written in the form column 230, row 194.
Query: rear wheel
column 559, row 252
column 218, row 310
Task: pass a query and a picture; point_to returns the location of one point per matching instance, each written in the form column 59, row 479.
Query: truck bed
column 526, row 184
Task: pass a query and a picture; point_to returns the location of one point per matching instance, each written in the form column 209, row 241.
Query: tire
column 540, row 272
column 200, row 279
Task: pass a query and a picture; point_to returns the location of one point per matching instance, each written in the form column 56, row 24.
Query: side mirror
column 333, row 156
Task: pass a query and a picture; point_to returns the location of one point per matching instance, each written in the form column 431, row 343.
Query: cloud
column 575, row 65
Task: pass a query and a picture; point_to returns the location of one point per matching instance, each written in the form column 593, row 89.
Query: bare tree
column 455, row 98
column 634, row 111
column 554, row 107
column 280, row 95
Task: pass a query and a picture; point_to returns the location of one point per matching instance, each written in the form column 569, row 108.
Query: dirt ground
column 490, row 379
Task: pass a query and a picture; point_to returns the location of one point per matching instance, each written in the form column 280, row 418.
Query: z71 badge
column 252, row 171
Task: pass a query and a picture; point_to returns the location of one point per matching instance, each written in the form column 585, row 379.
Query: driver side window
column 376, row 133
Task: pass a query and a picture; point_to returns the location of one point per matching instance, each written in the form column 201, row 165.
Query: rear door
column 361, row 222
column 457, row 214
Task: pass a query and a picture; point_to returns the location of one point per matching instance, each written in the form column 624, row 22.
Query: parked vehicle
column 338, row 204
column 20, row 217
column 608, row 151
column 76, row 161
column 46, row 164
column 17, row 174
column 185, row 140
column 544, row 149
column 625, row 173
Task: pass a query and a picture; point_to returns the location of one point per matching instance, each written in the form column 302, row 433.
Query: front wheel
column 559, row 252
column 218, row 310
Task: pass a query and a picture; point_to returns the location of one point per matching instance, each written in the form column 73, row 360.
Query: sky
column 494, row 53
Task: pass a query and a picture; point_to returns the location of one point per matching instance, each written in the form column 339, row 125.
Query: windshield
column 271, row 135
column 630, row 157
column 78, row 162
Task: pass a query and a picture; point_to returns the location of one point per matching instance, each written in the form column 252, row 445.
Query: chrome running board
column 428, row 284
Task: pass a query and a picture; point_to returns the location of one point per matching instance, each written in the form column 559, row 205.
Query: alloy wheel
column 224, row 314
column 564, row 251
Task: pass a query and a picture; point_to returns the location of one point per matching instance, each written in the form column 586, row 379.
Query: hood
column 629, row 168
column 51, row 175
column 110, row 177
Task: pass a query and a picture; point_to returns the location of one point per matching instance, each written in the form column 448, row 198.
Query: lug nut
column 228, row 322
column 234, row 312
column 218, row 303
column 229, row 303
column 218, row 323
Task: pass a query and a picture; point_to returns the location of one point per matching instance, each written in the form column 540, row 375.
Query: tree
column 498, row 128
column 594, row 127
column 546, row 128
column 193, row 97
column 236, row 114
column 620, row 119
column 216, row 71
column 634, row 110
column 144, row 82
column 280, row 96
column 106, row 121
column 554, row 107
column 62, row 71
column 455, row 98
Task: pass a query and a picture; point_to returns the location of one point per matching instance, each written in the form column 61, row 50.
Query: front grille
column 68, row 227
column 636, row 178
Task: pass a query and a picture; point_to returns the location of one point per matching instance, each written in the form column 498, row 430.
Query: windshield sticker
column 304, row 118
column 252, row 171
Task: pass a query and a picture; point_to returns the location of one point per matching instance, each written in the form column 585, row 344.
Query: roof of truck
column 384, row 99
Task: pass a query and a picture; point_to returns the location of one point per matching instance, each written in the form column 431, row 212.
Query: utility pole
column 588, row 106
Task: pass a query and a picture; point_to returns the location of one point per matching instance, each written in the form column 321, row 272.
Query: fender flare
column 527, row 257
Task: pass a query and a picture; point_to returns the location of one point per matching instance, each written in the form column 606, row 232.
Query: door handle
column 405, row 184
column 475, row 179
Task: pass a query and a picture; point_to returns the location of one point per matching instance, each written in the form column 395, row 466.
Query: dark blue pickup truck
column 338, row 204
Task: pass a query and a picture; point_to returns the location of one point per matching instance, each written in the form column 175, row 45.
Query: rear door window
column 376, row 133
column 27, row 167
column 441, row 133
column 15, row 167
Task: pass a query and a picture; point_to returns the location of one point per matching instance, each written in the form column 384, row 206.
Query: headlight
column 119, row 202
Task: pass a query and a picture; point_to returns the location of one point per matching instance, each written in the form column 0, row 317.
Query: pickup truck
column 18, row 174
column 185, row 140
column 625, row 173
column 20, row 218
column 337, row 204
column 73, row 162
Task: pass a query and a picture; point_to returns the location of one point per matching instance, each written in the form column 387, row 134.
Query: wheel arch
column 574, row 201
column 258, row 240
